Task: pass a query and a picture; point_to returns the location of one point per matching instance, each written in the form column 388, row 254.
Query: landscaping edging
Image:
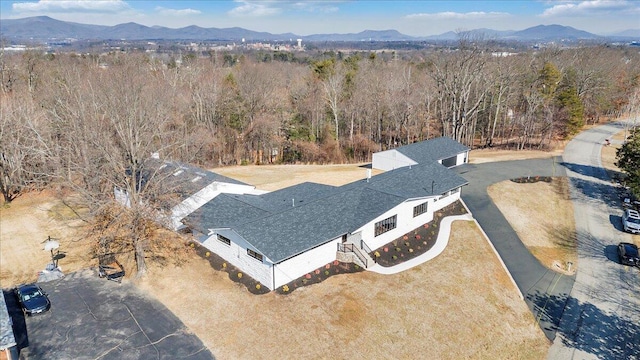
column 416, row 242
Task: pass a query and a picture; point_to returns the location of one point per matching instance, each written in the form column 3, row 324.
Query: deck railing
column 351, row 248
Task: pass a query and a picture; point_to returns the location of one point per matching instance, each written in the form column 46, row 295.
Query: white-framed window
column 420, row 209
column 254, row 254
column 385, row 225
column 224, row 239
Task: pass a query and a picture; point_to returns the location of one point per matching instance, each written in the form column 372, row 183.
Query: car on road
column 628, row 254
column 631, row 221
column 32, row 299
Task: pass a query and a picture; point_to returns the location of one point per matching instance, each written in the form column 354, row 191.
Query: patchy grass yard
column 542, row 215
column 449, row 308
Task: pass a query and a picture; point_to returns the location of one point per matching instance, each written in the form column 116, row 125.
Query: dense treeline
column 63, row 114
column 87, row 123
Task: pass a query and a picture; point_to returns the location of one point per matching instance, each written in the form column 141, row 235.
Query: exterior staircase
column 355, row 252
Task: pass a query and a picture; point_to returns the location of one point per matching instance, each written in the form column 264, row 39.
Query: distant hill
column 553, row 32
column 632, row 33
column 367, row 35
column 44, row 28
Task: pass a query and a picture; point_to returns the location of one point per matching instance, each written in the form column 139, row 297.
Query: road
column 545, row 292
column 602, row 316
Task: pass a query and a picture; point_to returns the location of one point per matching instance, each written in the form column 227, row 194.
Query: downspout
column 273, row 273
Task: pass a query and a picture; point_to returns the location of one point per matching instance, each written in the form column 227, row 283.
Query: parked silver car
column 631, row 221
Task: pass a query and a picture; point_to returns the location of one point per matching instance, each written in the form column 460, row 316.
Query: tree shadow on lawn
column 416, row 242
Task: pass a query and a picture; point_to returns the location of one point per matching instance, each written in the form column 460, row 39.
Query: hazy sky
column 305, row 17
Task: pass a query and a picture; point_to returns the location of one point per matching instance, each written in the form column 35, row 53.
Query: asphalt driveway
column 546, row 292
column 93, row 318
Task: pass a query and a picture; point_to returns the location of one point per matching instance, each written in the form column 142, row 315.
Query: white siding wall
column 448, row 200
column 236, row 254
column 389, row 160
column 302, row 264
column 405, row 221
column 463, row 158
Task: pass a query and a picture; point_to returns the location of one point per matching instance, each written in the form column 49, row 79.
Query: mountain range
column 44, row 28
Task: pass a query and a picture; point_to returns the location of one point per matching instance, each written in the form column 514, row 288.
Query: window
column 254, row 254
column 385, row 225
column 420, row 209
column 450, row 162
column 224, row 239
column 455, row 191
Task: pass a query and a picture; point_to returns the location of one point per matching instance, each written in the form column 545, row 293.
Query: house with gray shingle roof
column 443, row 150
column 191, row 188
column 279, row 236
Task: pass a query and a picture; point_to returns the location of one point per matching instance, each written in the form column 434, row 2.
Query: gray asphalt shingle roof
column 289, row 233
column 432, row 150
column 182, row 179
column 280, row 228
column 232, row 209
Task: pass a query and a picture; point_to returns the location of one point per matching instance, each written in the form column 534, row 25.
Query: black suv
column 628, row 254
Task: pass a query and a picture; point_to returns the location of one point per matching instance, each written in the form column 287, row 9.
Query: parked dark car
column 32, row 299
column 628, row 254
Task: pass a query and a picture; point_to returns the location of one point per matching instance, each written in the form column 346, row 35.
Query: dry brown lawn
column 25, row 225
column 542, row 215
column 479, row 156
column 608, row 154
column 455, row 306
column 448, row 308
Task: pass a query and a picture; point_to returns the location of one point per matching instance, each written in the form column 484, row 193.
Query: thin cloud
column 578, row 8
column 70, row 6
column 262, row 8
column 255, row 9
column 177, row 12
column 449, row 15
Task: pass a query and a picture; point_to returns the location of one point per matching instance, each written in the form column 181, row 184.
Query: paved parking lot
column 93, row 318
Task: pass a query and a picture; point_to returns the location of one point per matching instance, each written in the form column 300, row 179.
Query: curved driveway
column 544, row 291
column 602, row 316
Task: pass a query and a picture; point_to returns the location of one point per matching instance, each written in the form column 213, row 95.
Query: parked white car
column 631, row 221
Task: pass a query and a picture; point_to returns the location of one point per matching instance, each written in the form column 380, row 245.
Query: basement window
column 223, row 239
column 385, row 225
column 420, row 209
column 254, row 254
